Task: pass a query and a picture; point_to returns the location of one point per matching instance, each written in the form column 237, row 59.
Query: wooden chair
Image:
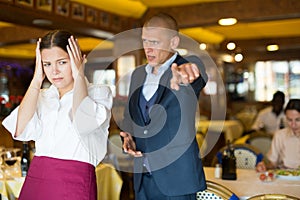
column 246, row 155
column 121, row 161
column 216, row 191
column 273, row 197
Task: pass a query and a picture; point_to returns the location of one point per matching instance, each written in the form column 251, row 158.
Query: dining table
column 248, row 184
column 109, row 184
column 232, row 129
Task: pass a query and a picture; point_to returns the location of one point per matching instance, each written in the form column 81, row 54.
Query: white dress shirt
column 268, row 120
column 285, row 149
column 152, row 80
column 58, row 135
column 151, row 85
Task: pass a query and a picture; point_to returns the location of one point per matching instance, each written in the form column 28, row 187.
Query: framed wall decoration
column 104, row 19
column 44, row 5
column 25, row 2
column 62, row 7
column 116, row 22
column 91, row 15
column 78, row 11
column 9, row 1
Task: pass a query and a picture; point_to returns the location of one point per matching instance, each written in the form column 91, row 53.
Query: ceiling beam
column 207, row 14
column 260, row 44
column 278, row 55
column 255, row 49
column 12, row 34
column 25, row 16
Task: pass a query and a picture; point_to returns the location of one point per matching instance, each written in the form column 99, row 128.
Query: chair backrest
column 273, row 197
column 216, row 191
column 260, row 140
column 122, row 161
column 247, row 117
column 246, row 155
column 115, row 145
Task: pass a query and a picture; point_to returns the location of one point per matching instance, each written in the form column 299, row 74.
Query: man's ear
column 175, row 42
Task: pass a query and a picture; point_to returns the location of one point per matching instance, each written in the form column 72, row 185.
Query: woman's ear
column 175, row 42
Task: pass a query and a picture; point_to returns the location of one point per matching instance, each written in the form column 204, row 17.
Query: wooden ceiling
column 259, row 23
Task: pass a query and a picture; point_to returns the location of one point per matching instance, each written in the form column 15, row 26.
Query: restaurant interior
column 247, row 61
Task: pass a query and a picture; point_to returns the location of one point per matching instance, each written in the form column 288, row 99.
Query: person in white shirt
column 285, row 148
column 68, row 121
column 271, row 118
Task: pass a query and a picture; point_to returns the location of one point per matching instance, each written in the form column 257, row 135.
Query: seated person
column 270, row 118
column 285, row 147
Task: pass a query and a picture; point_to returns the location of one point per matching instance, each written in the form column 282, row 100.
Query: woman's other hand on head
column 76, row 58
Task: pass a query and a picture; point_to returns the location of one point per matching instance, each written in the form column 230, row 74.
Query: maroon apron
column 58, row 179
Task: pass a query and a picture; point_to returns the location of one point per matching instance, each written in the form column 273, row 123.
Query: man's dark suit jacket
column 168, row 140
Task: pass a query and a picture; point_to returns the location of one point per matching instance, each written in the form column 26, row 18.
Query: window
column 126, row 64
column 106, row 77
column 271, row 76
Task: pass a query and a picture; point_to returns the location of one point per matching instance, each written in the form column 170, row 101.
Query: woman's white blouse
column 58, row 135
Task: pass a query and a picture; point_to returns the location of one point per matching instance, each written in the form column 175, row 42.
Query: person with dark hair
column 68, row 121
column 158, row 128
column 271, row 119
column 285, row 147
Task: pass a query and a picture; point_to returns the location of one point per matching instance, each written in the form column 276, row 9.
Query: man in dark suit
column 158, row 128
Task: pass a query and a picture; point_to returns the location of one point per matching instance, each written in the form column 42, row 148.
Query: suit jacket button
column 145, row 132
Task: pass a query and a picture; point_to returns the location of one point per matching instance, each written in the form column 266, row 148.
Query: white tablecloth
column 10, row 189
column 248, row 184
column 232, row 129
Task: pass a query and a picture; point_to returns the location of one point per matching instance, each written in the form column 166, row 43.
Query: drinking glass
column 11, row 166
column 1, row 165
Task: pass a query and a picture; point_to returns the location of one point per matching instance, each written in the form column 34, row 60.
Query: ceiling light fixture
column 238, row 57
column 227, row 58
column 272, row 47
column 231, row 46
column 227, row 21
column 42, row 22
column 202, row 46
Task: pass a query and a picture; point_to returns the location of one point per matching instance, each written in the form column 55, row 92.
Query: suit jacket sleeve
column 201, row 81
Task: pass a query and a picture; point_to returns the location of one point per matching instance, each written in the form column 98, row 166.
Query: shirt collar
column 164, row 66
column 52, row 91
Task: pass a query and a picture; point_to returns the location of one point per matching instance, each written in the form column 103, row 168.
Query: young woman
column 68, row 121
column 285, row 148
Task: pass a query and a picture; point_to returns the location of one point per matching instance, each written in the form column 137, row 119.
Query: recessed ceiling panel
column 273, row 29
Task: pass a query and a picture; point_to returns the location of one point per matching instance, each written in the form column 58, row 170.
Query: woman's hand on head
column 39, row 74
column 76, row 58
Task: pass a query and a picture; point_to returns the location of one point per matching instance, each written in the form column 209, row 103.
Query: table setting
column 10, row 173
column 232, row 129
column 250, row 183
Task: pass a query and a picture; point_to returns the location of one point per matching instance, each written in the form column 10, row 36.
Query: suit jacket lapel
column 137, row 91
column 163, row 84
column 165, row 81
